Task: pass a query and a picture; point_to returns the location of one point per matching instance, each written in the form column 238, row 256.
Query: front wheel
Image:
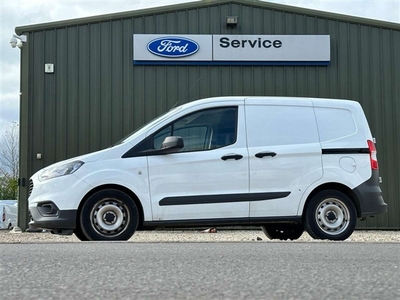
column 283, row 231
column 79, row 234
column 331, row 215
column 109, row 215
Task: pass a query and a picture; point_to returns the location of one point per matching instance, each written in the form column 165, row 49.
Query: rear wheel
column 283, row 231
column 330, row 214
column 108, row 215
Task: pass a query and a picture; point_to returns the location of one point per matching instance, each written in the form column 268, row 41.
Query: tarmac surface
column 182, row 236
column 200, row 270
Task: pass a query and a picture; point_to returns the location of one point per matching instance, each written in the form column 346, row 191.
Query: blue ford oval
column 173, row 47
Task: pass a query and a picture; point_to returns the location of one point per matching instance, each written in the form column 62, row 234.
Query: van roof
column 317, row 102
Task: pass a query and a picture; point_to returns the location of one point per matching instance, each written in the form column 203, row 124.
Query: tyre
column 79, row 234
column 330, row 214
column 108, row 215
column 283, row 231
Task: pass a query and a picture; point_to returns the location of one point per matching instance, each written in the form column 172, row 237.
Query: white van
column 287, row 164
column 8, row 214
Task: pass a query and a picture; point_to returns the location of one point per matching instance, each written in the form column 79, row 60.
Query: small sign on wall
column 49, row 68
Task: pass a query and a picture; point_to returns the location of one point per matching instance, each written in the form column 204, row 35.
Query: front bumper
column 54, row 203
column 48, row 216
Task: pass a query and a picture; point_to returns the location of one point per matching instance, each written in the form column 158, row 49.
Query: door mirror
column 172, row 144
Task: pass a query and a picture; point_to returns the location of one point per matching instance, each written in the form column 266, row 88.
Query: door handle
column 232, row 156
column 265, row 153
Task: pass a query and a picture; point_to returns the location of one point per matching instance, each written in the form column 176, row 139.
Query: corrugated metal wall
column 96, row 95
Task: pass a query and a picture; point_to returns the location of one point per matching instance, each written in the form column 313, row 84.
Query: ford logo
column 173, row 47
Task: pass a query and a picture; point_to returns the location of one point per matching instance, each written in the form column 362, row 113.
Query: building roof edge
column 205, row 3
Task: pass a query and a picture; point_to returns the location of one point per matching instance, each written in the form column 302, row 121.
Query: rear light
column 372, row 155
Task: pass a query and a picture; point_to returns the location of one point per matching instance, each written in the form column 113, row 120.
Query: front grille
column 30, row 187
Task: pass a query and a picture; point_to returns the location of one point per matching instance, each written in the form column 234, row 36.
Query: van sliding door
column 284, row 154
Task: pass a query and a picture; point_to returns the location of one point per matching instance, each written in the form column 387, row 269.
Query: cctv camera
column 13, row 42
column 19, row 45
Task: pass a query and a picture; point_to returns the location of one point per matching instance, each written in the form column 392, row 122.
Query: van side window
column 202, row 130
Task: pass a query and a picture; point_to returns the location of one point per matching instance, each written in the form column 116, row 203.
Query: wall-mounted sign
column 231, row 49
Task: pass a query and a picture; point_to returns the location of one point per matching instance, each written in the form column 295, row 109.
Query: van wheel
column 283, row 231
column 331, row 215
column 108, row 215
column 79, row 234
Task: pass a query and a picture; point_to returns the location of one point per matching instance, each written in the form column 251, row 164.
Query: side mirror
column 172, row 144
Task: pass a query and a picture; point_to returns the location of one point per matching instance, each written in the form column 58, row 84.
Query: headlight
column 61, row 170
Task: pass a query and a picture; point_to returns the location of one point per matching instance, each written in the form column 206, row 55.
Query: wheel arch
column 121, row 188
column 338, row 187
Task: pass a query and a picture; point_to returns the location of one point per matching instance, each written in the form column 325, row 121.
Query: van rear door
column 284, row 153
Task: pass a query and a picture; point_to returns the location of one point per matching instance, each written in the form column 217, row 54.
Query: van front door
column 208, row 178
column 284, row 154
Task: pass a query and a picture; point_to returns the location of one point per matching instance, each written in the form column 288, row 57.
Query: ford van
column 8, row 214
column 285, row 164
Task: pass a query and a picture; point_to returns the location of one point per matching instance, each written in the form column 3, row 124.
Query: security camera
column 19, row 45
column 13, row 42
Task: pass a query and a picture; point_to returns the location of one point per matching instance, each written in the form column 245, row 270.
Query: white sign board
column 271, row 48
column 231, row 49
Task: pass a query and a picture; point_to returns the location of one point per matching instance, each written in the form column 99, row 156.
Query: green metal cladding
column 96, row 95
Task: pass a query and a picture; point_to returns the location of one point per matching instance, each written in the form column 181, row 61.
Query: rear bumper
column 49, row 216
column 370, row 196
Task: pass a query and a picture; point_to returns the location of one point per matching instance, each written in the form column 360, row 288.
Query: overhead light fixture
column 14, row 40
column 231, row 21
